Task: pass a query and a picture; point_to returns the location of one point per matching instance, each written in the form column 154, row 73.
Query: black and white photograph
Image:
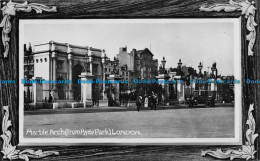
column 123, row 79
column 129, row 80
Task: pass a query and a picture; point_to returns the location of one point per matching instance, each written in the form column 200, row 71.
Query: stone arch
column 76, row 87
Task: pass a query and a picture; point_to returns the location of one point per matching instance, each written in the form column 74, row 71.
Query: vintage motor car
column 206, row 98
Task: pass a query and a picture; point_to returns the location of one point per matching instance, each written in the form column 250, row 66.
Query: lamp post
column 179, row 63
column 104, row 57
column 116, row 62
column 163, row 63
column 115, row 87
column 214, row 70
column 200, row 66
column 164, row 76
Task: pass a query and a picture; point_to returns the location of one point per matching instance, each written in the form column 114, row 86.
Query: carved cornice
column 9, row 9
column 247, row 151
column 9, row 151
column 247, row 9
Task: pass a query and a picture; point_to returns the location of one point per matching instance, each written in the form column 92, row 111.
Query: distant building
column 28, row 72
column 139, row 64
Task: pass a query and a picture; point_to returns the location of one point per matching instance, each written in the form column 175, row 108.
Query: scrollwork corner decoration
column 247, row 151
column 9, row 151
column 9, row 9
column 248, row 10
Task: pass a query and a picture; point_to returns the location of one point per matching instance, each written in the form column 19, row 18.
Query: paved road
column 202, row 122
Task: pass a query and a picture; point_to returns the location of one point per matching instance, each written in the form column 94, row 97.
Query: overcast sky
column 192, row 42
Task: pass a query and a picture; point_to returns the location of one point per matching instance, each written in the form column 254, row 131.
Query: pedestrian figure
column 109, row 96
column 139, row 103
column 121, row 97
column 154, row 101
column 95, row 96
column 127, row 98
column 50, row 98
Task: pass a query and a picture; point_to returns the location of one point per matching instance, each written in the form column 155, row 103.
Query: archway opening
column 76, row 71
column 61, row 89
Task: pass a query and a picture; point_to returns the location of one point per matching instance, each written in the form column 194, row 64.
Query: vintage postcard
column 130, row 80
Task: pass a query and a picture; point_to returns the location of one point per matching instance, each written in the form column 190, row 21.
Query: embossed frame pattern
column 169, row 9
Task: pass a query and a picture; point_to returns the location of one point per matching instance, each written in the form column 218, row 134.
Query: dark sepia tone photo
column 131, row 79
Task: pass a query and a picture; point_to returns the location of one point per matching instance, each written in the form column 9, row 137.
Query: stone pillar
column 166, row 91
column 86, row 89
column 116, row 87
column 213, row 86
column 193, row 88
column 117, row 92
column 163, row 89
column 178, row 90
column 38, row 94
column 199, row 88
column 70, row 77
column 104, row 73
column 181, row 91
column 37, row 90
column 54, row 77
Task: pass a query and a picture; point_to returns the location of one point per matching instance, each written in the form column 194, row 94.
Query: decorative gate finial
column 9, row 9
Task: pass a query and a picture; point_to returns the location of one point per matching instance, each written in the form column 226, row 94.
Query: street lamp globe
column 163, row 62
column 200, row 66
column 179, row 63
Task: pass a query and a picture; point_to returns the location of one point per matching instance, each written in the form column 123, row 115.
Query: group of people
column 95, row 96
column 152, row 101
column 111, row 97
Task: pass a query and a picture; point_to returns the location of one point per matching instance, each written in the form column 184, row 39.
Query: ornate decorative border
column 248, row 10
column 9, row 10
column 247, row 152
column 9, row 151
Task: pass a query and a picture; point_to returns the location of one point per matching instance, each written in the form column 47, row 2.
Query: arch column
column 54, row 92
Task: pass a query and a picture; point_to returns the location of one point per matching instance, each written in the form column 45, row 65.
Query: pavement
column 176, row 121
